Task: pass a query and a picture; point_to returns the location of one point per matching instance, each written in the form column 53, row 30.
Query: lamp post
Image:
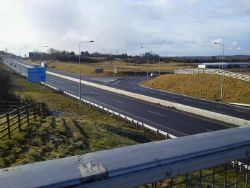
column 41, row 56
column 147, row 59
column 105, row 63
column 44, row 54
column 80, row 73
column 159, row 65
column 222, row 78
column 20, row 68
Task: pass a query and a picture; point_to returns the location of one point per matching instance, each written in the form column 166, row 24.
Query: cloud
column 234, row 46
column 180, row 27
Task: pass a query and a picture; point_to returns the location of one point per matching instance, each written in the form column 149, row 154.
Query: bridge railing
column 214, row 159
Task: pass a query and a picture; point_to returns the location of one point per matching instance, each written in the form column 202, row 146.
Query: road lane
column 171, row 121
column 133, row 84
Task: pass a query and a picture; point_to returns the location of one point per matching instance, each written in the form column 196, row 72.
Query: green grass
column 57, row 137
column 70, row 131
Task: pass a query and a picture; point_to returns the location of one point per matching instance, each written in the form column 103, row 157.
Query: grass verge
column 203, row 86
column 69, row 131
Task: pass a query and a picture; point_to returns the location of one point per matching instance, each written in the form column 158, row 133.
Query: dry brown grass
column 203, row 86
column 121, row 66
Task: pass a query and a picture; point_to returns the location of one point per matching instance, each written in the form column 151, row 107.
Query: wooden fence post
column 44, row 110
column 8, row 124
column 34, row 112
column 19, row 118
column 27, row 113
column 39, row 109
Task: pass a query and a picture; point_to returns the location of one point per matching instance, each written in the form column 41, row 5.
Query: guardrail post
column 19, row 119
column 8, row 124
column 27, row 113
column 168, row 137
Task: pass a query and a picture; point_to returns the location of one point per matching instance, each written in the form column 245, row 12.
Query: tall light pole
column 80, row 72
column 41, row 54
column 159, row 65
column 105, row 63
column 147, row 59
column 222, row 62
column 20, row 66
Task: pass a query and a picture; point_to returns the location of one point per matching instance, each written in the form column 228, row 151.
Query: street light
column 21, row 59
column 147, row 59
column 80, row 73
column 105, row 62
column 43, row 54
column 222, row 78
column 159, row 65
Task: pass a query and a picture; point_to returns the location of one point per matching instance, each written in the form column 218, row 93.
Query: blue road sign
column 37, row 75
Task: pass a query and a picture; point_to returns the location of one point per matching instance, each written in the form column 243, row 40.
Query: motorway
column 166, row 119
column 132, row 84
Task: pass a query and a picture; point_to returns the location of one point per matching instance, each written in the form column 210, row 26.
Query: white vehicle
column 154, row 74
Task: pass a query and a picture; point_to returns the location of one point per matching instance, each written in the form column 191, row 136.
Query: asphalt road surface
column 133, row 84
column 169, row 120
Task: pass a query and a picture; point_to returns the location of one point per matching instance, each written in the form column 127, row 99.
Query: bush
column 6, row 85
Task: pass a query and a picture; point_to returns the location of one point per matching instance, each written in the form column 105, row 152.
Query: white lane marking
column 93, row 93
column 156, row 113
column 129, row 94
column 139, row 117
column 117, row 101
column 240, row 111
column 174, row 97
column 221, row 107
column 188, row 100
column 202, row 102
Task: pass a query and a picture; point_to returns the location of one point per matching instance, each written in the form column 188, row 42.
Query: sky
column 165, row 27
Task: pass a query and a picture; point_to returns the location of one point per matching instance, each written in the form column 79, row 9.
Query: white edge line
column 115, row 113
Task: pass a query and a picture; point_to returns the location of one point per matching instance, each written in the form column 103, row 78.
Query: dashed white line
column 188, row 100
column 117, row 101
column 202, row 102
column 156, row 113
column 240, row 110
column 220, row 107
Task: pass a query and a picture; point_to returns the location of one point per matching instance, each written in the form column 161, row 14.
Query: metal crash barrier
column 214, row 159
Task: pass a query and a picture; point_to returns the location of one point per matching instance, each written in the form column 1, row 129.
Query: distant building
column 36, row 55
column 226, row 65
column 2, row 52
